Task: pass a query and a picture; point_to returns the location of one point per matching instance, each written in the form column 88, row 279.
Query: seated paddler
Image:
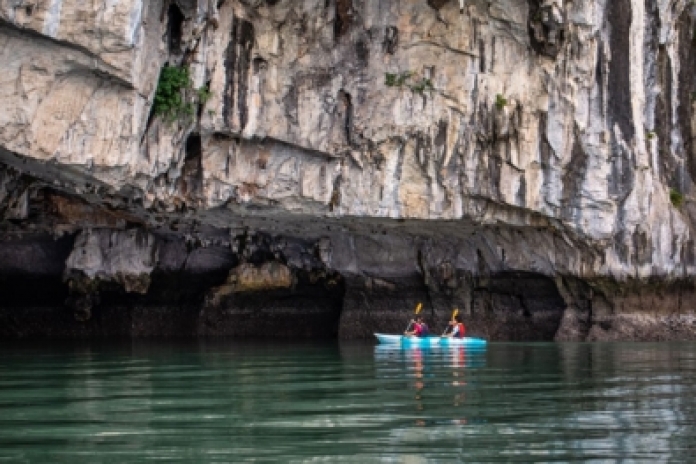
column 456, row 328
column 420, row 328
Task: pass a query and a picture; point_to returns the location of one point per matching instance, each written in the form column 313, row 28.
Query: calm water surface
column 231, row 402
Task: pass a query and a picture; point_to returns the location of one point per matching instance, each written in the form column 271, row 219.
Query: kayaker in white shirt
column 457, row 329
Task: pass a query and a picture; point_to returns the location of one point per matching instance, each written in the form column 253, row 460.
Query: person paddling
column 456, row 328
column 420, row 328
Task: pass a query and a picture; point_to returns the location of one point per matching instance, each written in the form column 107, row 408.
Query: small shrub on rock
column 171, row 98
column 500, row 101
column 676, row 197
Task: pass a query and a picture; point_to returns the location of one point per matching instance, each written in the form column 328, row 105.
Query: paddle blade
column 419, row 307
column 454, row 313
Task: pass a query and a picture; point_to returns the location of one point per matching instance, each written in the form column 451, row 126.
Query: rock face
column 530, row 162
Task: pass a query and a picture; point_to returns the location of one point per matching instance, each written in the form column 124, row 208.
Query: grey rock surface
column 529, row 162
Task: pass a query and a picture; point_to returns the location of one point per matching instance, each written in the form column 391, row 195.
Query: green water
column 227, row 402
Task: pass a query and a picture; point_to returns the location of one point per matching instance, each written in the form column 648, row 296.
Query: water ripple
column 347, row 403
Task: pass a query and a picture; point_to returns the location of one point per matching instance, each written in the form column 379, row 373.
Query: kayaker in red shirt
column 420, row 328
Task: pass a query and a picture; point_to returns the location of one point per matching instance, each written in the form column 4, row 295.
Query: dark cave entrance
column 518, row 306
column 175, row 28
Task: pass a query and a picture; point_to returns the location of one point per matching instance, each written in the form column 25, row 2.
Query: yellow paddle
column 418, row 309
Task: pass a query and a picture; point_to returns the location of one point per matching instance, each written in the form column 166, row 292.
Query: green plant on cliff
column 403, row 77
column 172, row 99
column 416, row 85
column 204, row 95
column 676, row 197
column 422, row 85
column 396, row 79
column 500, row 101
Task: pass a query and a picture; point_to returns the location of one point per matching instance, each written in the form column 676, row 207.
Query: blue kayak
column 429, row 341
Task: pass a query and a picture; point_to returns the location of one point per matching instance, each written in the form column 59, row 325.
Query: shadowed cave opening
column 518, row 306
column 177, row 302
column 183, row 300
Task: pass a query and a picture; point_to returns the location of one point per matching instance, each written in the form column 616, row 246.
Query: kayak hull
column 402, row 340
column 387, row 339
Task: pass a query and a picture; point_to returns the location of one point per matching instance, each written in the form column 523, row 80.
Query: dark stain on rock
column 495, row 168
column 689, row 253
column 619, row 15
column 437, row 4
column 642, row 251
column 391, row 40
column 547, row 28
column 316, row 79
column 573, row 179
column 259, row 65
column 441, row 136
column 652, row 70
column 335, row 199
column 362, row 52
column 290, row 104
column 622, row 174
column 686, row 27
column 521, row 197
column 482, row 56
column 620, row 247
column 343, row 18
column 191, row 180
column 669, row 165
column 237, row 65
column 174, row 28
column 347, row 103
column 599, row 73
column 423, row 149
column 545, row 150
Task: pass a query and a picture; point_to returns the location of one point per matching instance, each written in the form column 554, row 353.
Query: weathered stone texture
column 437, row 148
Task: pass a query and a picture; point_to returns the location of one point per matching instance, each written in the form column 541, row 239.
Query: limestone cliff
column 335, row 162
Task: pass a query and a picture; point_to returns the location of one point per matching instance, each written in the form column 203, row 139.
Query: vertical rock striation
column 530, row 162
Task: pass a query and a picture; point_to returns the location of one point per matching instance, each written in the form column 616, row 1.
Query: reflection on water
column 221, row 402
column 438, row 368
